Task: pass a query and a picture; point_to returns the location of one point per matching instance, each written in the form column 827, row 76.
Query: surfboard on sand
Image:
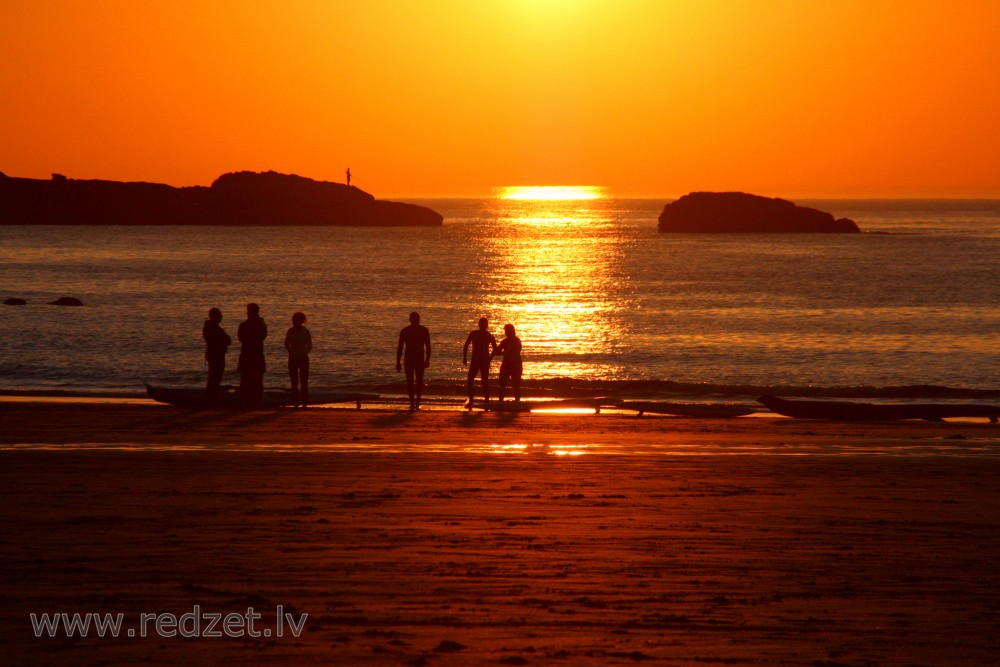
column 688, row 409
column 851, row 411
column 194, row 397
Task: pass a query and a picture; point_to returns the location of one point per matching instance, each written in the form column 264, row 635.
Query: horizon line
column 678, row 196
column 491, row 192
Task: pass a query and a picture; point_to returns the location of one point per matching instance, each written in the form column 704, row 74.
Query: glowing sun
column 551, row 192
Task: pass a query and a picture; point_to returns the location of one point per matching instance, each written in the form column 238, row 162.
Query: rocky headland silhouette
column 738, row 212
column 241, row 198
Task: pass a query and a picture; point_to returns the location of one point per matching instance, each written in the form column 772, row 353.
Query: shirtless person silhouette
column 484, row 345
column 415, row 338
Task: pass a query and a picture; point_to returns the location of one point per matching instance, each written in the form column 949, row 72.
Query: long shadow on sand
column 249, row 418
column 395, row 419
column 507, row 418
column 471, row 418
column 178, row 420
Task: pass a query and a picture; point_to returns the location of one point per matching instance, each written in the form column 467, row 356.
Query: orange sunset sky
column 797, row 98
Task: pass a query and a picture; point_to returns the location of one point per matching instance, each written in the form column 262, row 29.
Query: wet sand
column 443, row 538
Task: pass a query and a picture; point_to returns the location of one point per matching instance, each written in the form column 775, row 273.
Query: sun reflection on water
column 556, row 276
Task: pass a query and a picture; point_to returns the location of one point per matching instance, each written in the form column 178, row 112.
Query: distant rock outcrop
column 243, row 198
column 66, row 301
column 738, row 212
column 248, row 198
column 14, row 301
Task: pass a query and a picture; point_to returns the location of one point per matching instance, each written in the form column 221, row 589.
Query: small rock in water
column 66, row 301
column 448, row 646
column 15, row 302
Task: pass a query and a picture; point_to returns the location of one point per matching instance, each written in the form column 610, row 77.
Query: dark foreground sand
column 449, row 539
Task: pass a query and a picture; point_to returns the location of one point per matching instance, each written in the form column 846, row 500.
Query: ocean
column 604, row 304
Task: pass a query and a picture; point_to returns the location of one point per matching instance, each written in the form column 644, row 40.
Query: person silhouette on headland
column 251, row 334
column 484, row 345
column 298, row 342
column 217, row 342
column 416, row 339
column 510, row 367
column 348, row 176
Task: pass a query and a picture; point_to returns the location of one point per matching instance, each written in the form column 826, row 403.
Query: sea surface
column 604, row 304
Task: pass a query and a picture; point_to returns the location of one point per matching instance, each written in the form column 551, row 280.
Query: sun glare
column 551, row 192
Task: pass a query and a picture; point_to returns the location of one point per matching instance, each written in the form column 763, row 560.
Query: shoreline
column 566, row 388
column 31, row 424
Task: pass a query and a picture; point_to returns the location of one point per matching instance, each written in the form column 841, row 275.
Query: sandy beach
column 444, row 538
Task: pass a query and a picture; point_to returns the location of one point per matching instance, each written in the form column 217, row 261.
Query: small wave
column 666, row 389
column 557, row 388
column 74, row 393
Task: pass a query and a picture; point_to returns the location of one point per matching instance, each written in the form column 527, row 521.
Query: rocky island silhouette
column 741, row 213
column 241, row 198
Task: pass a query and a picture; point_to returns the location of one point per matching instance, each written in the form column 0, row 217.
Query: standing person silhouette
column 217, row 342
column 484, row 345
column 416, row 339
column 251, row 334
column 510, row 367
column 298, row 342
column 348, row 175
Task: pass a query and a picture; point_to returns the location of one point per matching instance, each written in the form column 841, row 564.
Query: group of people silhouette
column 251, row 366
column 413, row 356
